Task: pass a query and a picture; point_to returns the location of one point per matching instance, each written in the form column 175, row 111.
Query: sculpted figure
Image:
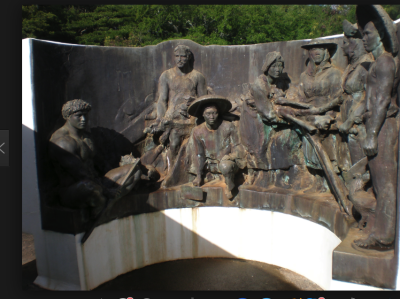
column 266, row 106
column 177, row 88
column 320, row 86
column 72, row 152
column 216, row 147
column 351, row 113
column 381, row 121
column 354, row 80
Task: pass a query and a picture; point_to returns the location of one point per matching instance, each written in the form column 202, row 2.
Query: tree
column 141, row 25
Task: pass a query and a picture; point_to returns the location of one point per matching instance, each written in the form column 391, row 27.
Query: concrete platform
column 196, row 275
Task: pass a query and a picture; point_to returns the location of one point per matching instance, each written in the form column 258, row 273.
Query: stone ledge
column 318, row 208
column 362, row 266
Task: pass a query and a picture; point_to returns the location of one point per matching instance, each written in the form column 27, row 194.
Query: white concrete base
column 133, row 242
column 337, row 285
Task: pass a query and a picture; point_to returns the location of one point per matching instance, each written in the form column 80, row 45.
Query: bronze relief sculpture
column 264, row 123
column 381, row 123
column 72, row 152
column 351, row 115
column 215, row 142
column 177, row 88
column 291, row 148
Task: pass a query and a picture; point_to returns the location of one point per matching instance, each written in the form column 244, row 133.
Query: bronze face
column 275, row 70
column 346, row 45
column 371, row 38
column 78, row 120
column 181, row 58
column 210, row 115
column 317, row 54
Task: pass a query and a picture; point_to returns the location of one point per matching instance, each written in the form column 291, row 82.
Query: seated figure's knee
column 82, row 194
column 92, row 193
column 227, row 167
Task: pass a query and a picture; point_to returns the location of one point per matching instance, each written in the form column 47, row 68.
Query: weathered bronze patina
column 381, row 122
column 264, row 125
column 320, row 86
column 72, row 152
column 317, row 139
column 177, row 88
column 350, row 121
column 215, row 143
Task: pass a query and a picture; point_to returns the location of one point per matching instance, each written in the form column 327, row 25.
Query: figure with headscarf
column 381, row 121
column 265, row 121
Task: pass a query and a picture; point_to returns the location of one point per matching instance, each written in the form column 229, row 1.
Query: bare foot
column 197, row 181
column 372, row 243
column 248, row 180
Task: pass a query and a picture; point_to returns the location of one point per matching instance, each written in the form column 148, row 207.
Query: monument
column 288, row 146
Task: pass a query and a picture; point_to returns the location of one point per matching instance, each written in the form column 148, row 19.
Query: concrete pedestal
column 133, row 242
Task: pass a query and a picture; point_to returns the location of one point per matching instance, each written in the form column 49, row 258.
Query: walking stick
column 339, row 190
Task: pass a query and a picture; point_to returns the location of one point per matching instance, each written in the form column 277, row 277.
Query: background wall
column 120, row 83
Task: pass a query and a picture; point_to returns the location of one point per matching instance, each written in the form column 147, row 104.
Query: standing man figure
column 177, row 88
column 381, row 121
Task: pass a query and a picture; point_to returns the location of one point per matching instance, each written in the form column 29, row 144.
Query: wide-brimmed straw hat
column 270, row 59
column 367, row 13
column 222, row 103
column 321, row 43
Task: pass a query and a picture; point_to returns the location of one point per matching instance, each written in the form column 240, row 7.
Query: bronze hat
column 321, row 43
column 350, row 29
column 367, row 13
column 318, row 42
column 270, row 59
column 223, row 104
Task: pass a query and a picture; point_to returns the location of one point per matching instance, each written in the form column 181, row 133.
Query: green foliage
column 393, row 11
column 141, row 25
column 36, row 23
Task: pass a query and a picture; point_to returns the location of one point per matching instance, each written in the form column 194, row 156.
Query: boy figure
column 72, row 151
column 215, row 142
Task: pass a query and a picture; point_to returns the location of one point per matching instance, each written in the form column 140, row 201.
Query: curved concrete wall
column 137, row 241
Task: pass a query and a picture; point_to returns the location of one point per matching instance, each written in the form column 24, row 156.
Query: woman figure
column 264, row 130
column 321, row 87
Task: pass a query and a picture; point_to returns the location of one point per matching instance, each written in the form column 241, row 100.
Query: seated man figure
column 72, row 151
column 215, row 142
